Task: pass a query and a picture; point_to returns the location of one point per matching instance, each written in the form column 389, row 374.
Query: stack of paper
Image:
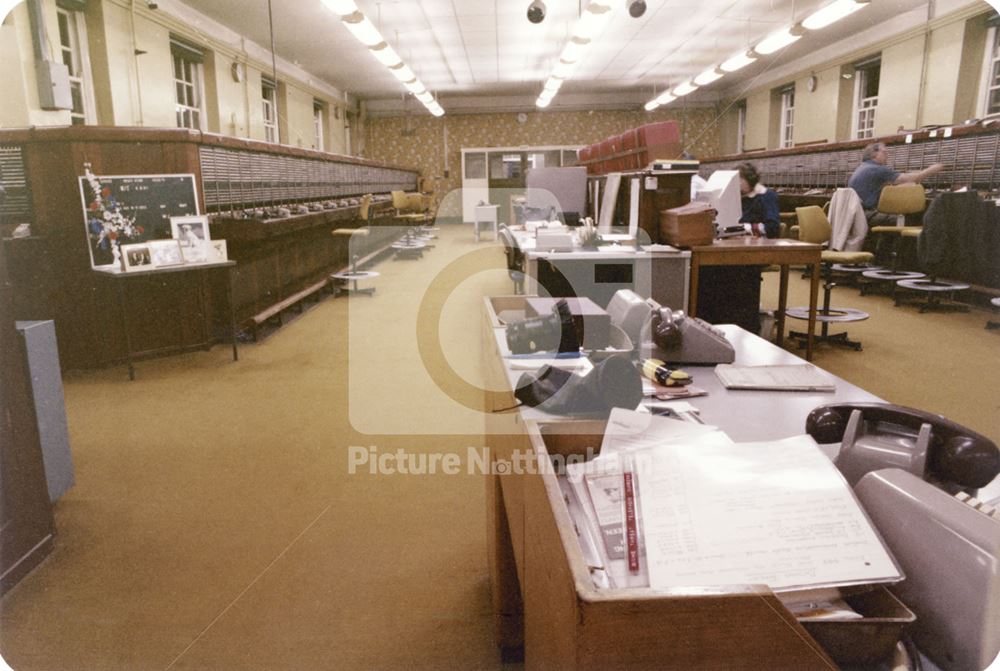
column 711, row 512
column 798, row 377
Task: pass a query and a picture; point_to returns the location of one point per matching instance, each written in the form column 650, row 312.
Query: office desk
column 543, row 596
column 748, row 251
column 598, row 274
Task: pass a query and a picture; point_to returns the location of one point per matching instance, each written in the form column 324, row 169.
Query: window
column 318, row 124
column 188, row 84
column 787, row 116
column 991, row 89
column 269, row 102
column 73, row 52
column 741, row 126
column 866, row 78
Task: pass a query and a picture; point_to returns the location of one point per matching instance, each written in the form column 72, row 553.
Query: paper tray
column 868, row 640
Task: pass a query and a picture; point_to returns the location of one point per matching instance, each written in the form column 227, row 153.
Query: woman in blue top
column 760, row 204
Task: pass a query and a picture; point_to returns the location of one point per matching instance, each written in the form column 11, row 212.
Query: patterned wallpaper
column 419, row 141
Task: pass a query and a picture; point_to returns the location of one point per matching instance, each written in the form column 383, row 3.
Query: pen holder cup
column 868, row 640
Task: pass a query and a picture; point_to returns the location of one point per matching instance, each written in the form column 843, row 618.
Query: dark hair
column 748, row 171
column 869, row 152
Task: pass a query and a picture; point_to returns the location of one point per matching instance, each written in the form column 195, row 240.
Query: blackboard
column 145, row 201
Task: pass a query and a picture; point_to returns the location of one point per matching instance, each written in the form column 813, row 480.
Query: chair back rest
column 814, row 227
column 399, row 200
column 902, row 199
column 364, row 210
column 510, row 249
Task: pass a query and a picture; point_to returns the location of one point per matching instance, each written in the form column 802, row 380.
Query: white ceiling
column 488, row 48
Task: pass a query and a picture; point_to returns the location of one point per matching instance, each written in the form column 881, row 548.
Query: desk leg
column 506, row 590
column 693, row 288
column 232, row 312
column 782, row 303
column 813, row 296
column 128, row 338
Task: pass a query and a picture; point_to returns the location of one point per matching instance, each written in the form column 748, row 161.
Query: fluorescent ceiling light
column 651, row 105
column 426, row 98
column 342, row 7
column 831, row 13
column 387, row 56
column 552, row 84
column 435, row 109
column 415, row 87
column 738, row 61
column 707, row 77
column 573, row 51
column 683, row 89
column 665, row 97
column 593, row 20
column 403, row 73
column 365, row 32
column 543, row 102
column 563, row 70
column 776, row 41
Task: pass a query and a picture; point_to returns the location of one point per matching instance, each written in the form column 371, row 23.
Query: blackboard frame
column 150, row 199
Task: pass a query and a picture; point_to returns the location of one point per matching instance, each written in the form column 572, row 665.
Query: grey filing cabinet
column 50, row 404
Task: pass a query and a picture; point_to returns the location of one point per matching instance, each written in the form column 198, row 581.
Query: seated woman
column 760, row 204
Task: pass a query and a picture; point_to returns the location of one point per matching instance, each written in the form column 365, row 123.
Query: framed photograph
column 218, row 250
column 190, row 231
column 131, row 209
column 137, row 256
column 197, row 252
column 165, row 253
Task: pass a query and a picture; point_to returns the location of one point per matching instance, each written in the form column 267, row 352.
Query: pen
column 631, row 528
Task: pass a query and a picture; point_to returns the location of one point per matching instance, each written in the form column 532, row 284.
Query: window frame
column 741, row 126
column 79, row 70
column 183, row 54
column 864, row 109
column 991, row 72
column 786, row 126
column 269, row 102
column 319, row 111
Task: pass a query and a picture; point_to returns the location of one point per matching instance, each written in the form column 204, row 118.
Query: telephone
column 916, row 475
column 881, row 435
column 672, row 336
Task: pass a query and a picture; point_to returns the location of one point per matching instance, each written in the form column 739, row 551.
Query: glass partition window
column 475, row 165
column 543, row 159
column 505, row 165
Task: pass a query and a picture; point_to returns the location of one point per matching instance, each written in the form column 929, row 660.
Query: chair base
column 350, row 282
column 885, row 277
column 840, row 339
column 935, row 291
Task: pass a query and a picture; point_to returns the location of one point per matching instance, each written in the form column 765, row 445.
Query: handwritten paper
column 775, row 513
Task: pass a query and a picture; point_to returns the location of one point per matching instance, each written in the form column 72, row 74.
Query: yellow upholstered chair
column 899, row 200
column 412, row 208
column 814, row 227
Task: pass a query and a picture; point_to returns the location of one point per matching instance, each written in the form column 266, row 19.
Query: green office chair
column 814, row 227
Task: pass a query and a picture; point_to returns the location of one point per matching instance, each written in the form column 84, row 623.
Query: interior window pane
column 475, row 166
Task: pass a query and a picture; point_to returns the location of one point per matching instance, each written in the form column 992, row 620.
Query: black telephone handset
column 882, row 435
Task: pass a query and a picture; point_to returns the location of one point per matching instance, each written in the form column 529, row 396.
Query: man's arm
column 920, row 175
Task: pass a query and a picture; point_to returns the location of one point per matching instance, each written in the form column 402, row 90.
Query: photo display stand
column 146, row 202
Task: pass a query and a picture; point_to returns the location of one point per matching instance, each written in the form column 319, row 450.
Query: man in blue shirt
column 873, row 175
column 760, row 204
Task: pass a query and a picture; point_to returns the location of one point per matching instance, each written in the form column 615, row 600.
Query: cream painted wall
column 24, row 108
column 899, row 88
column 295, row 116
column 944, row 62
column 951, row 92
column 14, row 111
column 232, row 98
column 758, row 120
column 816, row 111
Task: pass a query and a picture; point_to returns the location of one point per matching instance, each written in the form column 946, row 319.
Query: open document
column 776, row 513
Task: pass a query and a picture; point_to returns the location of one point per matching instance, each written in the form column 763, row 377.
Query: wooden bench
column 292, row 300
